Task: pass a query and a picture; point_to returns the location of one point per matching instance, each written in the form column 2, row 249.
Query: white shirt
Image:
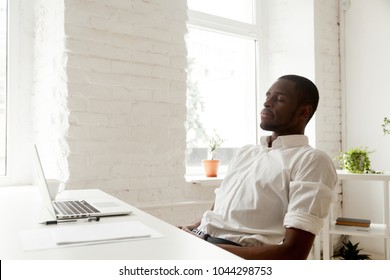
column 268, row 189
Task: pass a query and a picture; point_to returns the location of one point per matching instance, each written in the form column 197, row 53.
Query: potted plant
column 356, row 160
column 350, row 251
column 211, row 164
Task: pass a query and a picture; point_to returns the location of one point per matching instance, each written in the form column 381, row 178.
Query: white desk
column 14, row 218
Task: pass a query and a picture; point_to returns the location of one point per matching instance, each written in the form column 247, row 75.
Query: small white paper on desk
column 57, row 236
column 98, row 232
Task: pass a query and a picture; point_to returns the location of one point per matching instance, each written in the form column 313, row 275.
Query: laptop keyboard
column 72, row 208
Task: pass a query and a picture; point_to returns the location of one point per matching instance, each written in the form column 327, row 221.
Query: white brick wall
column 125, row 96
column 126, row 83
column 327, row 76
column 327, row 79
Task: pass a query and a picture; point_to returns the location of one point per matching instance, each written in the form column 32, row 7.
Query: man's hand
column 189, row 230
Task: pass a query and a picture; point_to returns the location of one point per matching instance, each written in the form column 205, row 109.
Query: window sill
column 205, row 181
column 196, row 176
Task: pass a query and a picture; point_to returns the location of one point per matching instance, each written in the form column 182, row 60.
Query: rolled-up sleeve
column 311, row 193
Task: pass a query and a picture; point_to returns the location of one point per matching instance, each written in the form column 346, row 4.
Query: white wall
column 367, row 102
column 367, row 87
column 288, row 33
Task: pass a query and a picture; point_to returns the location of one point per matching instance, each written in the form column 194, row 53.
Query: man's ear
column 306, row 111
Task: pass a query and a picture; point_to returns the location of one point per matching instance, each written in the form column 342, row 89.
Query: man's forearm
column 266, row 252
column 296, row 246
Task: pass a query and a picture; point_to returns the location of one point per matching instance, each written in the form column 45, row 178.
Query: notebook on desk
column 73, row 209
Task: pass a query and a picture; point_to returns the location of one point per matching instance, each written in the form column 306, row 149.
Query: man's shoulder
column 315, row 153
column 316, row 159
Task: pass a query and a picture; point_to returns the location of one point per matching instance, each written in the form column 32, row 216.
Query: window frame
column 19, row 88
column 227, row 26
column 4, row 51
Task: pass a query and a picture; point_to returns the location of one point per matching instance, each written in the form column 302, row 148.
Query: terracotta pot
column 211, row 167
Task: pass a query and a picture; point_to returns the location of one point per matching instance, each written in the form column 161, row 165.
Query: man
column 276, row 195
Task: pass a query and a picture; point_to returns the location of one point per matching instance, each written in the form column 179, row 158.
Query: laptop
column 74, row 209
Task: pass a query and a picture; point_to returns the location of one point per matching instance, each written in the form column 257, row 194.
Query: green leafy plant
column 356, row 160
column 213, row 143
column 350, row 251
column 386, row 123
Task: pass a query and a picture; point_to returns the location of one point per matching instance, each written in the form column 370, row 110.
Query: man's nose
column 267, row 103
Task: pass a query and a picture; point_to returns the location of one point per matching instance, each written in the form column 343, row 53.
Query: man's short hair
column 307, row 89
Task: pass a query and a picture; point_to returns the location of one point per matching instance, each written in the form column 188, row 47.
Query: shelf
column 345, row 175
column 375, row 231
column 381, row 231
column 205, row 181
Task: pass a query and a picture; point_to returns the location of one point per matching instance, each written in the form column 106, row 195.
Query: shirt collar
column 286, row 141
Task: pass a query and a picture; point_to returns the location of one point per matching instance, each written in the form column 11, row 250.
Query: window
column 3, row 85
column 16, row 53
column 221, row 86
column 238, row 10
